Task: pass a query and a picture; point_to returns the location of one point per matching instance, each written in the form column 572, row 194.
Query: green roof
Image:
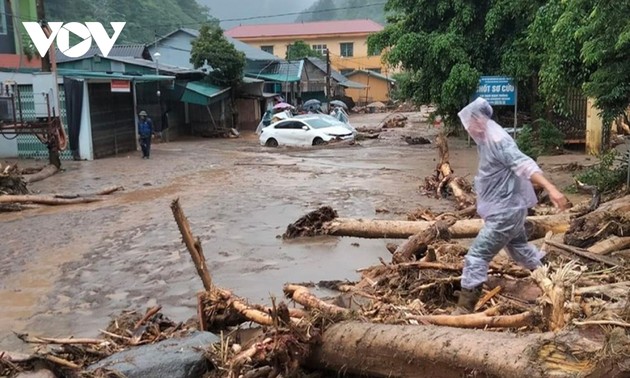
column 201, row 93
column 113, row 75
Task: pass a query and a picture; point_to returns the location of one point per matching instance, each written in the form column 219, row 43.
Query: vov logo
column 61, row 32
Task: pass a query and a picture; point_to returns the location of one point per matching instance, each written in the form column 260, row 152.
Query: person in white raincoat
column 504, row 193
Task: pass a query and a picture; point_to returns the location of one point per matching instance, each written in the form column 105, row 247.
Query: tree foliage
column 145, row 18
column 299, row 50
column 446, row 45
column 213, row 49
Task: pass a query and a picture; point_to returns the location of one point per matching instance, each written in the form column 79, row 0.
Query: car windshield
column 322, row 123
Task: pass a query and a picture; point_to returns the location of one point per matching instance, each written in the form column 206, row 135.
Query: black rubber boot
column 468, row 298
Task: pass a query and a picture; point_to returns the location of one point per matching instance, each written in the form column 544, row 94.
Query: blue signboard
column 497, row 90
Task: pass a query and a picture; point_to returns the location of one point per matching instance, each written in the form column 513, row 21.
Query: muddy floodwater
column 66, row 270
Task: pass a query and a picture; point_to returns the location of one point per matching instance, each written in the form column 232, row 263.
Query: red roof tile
column 305, row 28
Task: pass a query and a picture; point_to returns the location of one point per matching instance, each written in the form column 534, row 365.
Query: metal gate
column 113, row 128
column 29, row 147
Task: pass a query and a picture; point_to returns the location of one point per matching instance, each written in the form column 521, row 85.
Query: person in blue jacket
column 145, row 132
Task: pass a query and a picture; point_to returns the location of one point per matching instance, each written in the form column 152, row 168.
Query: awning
column 112, row 75
column 352, row 84
column 201, row 93
column 280, row 78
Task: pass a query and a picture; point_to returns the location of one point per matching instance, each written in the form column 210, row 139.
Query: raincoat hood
column 477, row 120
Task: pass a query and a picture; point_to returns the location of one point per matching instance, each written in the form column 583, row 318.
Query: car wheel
column 271, row 143
column 318, row 141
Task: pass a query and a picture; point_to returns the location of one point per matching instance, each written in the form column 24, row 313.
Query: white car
column 306, row 130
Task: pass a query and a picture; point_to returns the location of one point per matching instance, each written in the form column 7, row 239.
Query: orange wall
column 377, row 89
column 359, row 60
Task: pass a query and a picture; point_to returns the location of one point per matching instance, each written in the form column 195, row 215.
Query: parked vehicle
column 306, row 130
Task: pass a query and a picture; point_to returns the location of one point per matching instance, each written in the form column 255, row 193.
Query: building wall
column 377, row 89
column 174, row 50
column 359, row 60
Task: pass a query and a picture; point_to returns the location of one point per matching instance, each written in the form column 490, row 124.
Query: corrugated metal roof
column 251, row 52
column 133, row 51
column 201, row 93
column 152, row 64
column 112, row 75
column 336, row 75
column 353, row 84
column 321, row 65
column 283, row 72
column 371, row 73
column 305, row 28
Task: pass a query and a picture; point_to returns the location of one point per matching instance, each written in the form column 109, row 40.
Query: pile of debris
column 395, row 121
column 568, row 318
column 66, row 357
column 15, row 196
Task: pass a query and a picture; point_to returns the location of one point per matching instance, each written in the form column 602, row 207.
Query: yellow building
column 345, row 39
column 377, row 87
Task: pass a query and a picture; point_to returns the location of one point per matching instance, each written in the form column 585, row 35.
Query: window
column 267, row 49
column 377, row 70
column 347, row 49
column 3, row 18
column 345, row 71
column 320, row 49
column 289, row 125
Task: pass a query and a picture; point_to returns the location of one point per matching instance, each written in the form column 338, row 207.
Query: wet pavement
column 66, row 270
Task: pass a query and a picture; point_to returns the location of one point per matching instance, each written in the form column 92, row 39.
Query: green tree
column 213, row 49
column 299, row 50
column 145, row 19
column 446, row 45
column 586, row 45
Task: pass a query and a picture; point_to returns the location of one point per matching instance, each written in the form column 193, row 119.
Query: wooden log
column 46, row 172
column 46, row 200
column 478, row 320
column 612, row 244
column 418, row 243
column 610, row 218
column 303, row 296
column 460, row 188
column 466, row 228
column 380, row 350
column 583, row 253
column 193, row 246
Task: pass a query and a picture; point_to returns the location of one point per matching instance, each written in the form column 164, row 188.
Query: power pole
column 41, row 17
column 328, row 96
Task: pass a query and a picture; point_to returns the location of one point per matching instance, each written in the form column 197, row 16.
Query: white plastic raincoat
column 503, row 181
column 504, row 193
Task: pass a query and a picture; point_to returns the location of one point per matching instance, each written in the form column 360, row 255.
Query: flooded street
column 66, row 270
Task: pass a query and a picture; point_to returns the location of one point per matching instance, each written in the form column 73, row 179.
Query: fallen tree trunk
column 46, row 172
column 612, row 244
column 462, row 190
column 467, row 228
column 379, row 350
column 417, row 245
column 611, row 218
column 46, row 200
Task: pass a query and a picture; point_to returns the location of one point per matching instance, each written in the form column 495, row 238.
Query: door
column 303, row 137
column 286, row 133
column 113, row 127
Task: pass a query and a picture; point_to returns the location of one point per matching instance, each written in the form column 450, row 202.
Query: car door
column 284, row 133
column 302, row 137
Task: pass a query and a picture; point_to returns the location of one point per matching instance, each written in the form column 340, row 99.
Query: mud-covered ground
column 66, row 270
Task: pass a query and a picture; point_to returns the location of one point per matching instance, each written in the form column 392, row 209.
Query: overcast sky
column 224, row 9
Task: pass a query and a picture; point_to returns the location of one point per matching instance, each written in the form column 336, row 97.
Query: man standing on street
column 145, row 131
column 504, row 188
